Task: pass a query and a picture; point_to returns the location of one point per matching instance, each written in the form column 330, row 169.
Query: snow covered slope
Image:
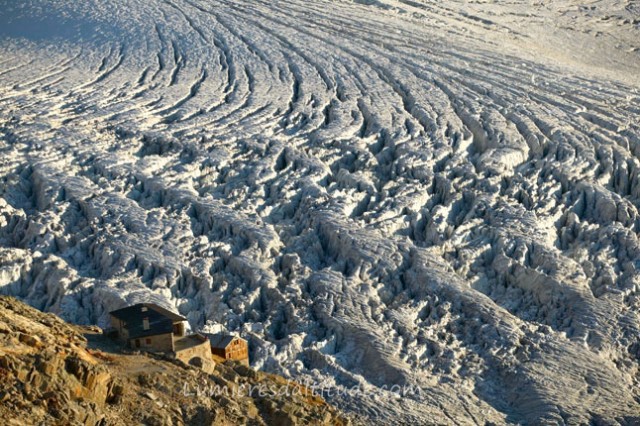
column 376, row 192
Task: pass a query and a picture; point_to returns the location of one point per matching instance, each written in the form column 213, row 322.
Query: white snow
column 374, row 193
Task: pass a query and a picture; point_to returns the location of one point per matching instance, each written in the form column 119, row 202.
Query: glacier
column 374, row 193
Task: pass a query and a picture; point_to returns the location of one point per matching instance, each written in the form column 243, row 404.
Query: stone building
column 152, row 328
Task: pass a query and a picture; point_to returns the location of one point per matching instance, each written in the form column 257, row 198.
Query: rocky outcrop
column 55, row 373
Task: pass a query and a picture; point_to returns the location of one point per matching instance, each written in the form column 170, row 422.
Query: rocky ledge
column 52, row 372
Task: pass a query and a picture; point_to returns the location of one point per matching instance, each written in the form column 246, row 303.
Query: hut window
column 148, row 341
column 145, row 323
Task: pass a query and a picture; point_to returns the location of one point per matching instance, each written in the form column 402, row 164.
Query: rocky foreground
column 50, row 373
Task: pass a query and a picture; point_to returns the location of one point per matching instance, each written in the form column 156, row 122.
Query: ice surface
column 376, row 193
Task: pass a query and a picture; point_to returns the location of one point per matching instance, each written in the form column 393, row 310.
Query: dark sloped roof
column 135, row 311
column 160, row 320
column 221, row 340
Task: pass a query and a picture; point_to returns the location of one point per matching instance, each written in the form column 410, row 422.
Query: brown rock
column 46, row 379
column 30, row 340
